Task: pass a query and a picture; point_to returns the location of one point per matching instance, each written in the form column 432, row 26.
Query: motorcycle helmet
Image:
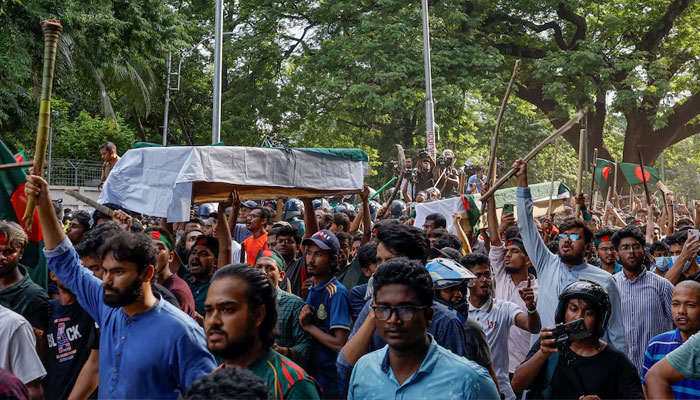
column 293, row 208
column 594, row 294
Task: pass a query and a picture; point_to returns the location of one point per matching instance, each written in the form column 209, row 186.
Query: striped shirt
column 646, row 310
column 658, row 348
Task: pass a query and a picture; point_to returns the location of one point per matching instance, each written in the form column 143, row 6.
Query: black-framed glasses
column 285, row 241
column 626, row 247
column 404, row 313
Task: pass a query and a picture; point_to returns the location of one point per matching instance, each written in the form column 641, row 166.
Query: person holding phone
column 583, row 369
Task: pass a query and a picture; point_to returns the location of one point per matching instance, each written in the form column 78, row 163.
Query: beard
column 572, row 259
column 512, row 270
column 122, row 298
column 238, row 347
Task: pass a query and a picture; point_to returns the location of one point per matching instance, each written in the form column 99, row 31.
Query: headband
column 271, row 254
column 4, row 239
column 154, row 234
column 516, row 242
column 598, row 241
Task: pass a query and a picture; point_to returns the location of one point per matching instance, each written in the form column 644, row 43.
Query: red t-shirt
column 253, row 246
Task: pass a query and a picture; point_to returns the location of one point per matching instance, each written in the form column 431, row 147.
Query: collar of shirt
column 677, row 335
column 19, row 286
column 426, row 367
column 153, row 310
column 323, row 284
column 485, row 308
column 638, row 278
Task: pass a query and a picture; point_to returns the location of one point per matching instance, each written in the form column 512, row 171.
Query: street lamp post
column 218, row 38
column 429, row 112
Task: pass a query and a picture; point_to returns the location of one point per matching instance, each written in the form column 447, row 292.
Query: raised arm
column 223, row 232
column 309, row 218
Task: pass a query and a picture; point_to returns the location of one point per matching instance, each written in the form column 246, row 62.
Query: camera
column 442, row 161
column 412, row 175
column 423, row 153
column 570, row 332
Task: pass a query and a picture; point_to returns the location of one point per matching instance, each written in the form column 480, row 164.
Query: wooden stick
column 617, row 198
column 551, row 186
column 591, row 203
column 462, row 179
column 494, row 138
column 644, row 178
column 17, row 165
column 92, row 203
column 52, row 30
column 536, row 150
column 607, row 198
column 581, row 162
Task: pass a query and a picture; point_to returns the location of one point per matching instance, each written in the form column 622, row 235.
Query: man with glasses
column 646, row 297
column 256, row 222
column 556, row 271
column 497, row 316
column 412, row 364
column 604, row 249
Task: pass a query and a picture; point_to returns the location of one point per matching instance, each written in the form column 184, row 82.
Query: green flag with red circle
column 633, row 174
column 604, row 169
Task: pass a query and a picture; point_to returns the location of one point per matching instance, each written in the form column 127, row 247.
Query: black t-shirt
column 608, row 375
column 477, row 346
column 166, row 294
column 424, row 181
column 72, row 334
column 296, row 274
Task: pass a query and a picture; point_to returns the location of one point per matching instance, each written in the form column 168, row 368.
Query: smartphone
column 570, row 332
column 508, row 208
column 693, row 233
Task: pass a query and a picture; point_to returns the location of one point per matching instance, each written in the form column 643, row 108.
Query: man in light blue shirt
column 555, row 272
column 412, row 365
column 149, row 348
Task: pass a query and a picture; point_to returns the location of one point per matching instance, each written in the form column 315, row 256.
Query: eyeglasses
column 627, row 247
column 285, row 241
column 572, row 236
column 485, row 275
column 251, row 216
column 404, row 313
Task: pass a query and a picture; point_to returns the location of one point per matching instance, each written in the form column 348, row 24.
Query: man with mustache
column 153, row 349
column 646, row 297
column 556, row 271
column 240, row 320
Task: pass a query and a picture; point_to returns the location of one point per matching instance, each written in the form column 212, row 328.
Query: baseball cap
column 447, row 252
column 324, row 239
column 249, row 204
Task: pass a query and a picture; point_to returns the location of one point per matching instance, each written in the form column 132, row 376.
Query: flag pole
column 579, row 175
column 591, row 203
column 617, row 198
column 551, row 185
column 644, row 178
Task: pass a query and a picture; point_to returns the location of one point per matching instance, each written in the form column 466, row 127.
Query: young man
column 164, row 276
column 555, row 271
column 496, row 316
column 79, row 226
column 241, row 314
column 18, row 352
column 646, row 297
column 367, row 257
column 584, row 369
column 604, row 249
column 434, row 221
column 412, row 365
column 72, row 337
column 108, row 153
column 139, row 330
column 685, row 307
column 203, row 260
column 292, row 342
column 256, row 222
column 340, row 223
column 326, row 316
column 510, row 268
column 17, row 290
column 345, row 241
column 686, row 248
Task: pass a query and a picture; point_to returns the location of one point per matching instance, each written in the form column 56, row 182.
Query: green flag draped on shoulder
column 12, row 204
column 633, row 174
column 604, row 169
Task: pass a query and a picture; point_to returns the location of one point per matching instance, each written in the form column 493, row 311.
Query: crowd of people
column 322, row 298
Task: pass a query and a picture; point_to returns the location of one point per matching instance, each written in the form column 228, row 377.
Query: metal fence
column 65, row 172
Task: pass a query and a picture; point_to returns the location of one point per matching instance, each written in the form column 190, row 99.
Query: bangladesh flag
column 603, row 170
column 472, row 212
column 12, row 204
column 633, row 174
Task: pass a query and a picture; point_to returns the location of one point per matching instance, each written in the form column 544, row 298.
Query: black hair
column 341, row 219
column 572, row 223
column 438, row 219
column 260, row 293
column 659, row 245
column 405, row 240
column 228, row 383
column 289, row 231
column 136, row 226
column 602, row 232
column 626, row 232
column 448, row 240
column 83, row 218
column 512, row 232
column 98, row 215
column 274, row 231
column 351, row 214
column 195, row 220
column 357, row 236
column 367, row 255
column 264, row 213
column 677, row 238
column 109, row 146
column 438, row 233
column 471, row 260
column 91, row 243
column 407, row 272
column 343, row 236
column 133, row 247
column 163, row 232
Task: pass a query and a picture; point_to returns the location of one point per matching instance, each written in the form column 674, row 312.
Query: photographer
column 424, row 178
column 445, row 176
column 576, row 364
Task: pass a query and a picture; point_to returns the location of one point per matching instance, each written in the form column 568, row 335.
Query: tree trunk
column 139, row 125
column 183, row 124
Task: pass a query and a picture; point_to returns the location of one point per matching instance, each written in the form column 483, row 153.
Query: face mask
column 666, row 263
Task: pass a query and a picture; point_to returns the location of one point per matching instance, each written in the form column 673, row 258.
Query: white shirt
column 519, row 339
column 236, row 252
column 18, row 347
column 496, row 317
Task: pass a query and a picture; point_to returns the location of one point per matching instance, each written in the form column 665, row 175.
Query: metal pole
column 167, row 100
column 429, row 112
column 218, row 36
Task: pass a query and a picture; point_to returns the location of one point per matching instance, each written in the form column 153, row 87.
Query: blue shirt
column 659, row 347
column 618, row 266
column 357, row 299
column 150, row 355
column 553, row 275
column 442, row 374
column 331, row 305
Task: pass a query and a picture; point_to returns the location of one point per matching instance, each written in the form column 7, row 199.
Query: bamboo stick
column 551, row 186
column 581, row 161
column 52, row 30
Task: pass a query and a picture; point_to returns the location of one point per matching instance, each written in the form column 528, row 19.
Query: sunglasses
column 572, row 236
